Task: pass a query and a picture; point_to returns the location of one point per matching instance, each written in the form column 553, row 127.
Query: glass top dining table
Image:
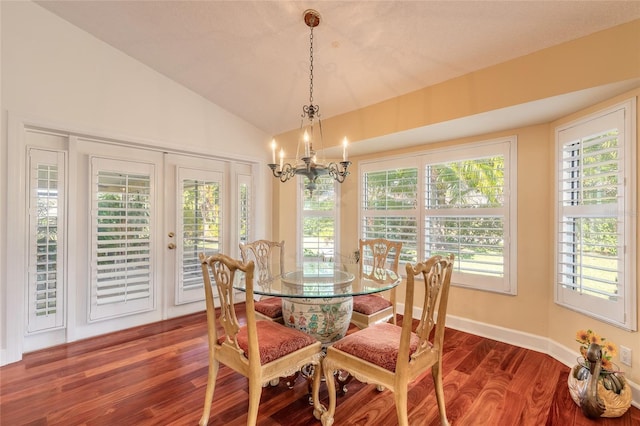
column 324, row 280
column 317, row 297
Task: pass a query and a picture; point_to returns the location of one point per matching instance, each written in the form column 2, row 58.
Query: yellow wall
column 605, row 57
column 528, row 308
column 602, row 58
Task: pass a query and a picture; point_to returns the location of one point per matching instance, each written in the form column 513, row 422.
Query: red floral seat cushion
column 369, row 303
column 377, row 344
column 274, row 340
column 270, row 307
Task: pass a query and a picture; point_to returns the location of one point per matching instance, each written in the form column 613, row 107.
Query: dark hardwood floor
column 156, row 375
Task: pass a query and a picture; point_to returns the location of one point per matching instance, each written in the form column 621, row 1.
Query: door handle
column 171, row 246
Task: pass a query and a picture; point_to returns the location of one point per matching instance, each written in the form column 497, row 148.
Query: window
column 448, row 201
column 595, row 266
column 46, row 301
column 244, row 209
column 122, row 214
column 319, row 220
column 199, row 228
column 467, row 213
column 390, row 206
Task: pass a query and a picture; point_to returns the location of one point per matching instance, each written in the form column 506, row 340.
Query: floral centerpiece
column 606, row 393
column 608, row 348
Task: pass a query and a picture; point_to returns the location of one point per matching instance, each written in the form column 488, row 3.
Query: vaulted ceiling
column 252, row 57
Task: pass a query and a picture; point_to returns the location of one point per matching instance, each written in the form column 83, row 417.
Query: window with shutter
column 319, row 220
column 467, row 209
column 466, row 213
column 199, row 229
column 390, row 206
column 244, row 210
column 46, row 300
column 596, row 181
column 122, row 214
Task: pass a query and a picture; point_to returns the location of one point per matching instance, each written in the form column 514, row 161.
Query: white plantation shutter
column 454, row 200
column 199, row 227
column 319, row 219
column 466, row 213
column 591, row 183
column 122, row 216
column 452, row 234
column 244, row 210
column 389, row 205
column 595, row 181
column 46, row 295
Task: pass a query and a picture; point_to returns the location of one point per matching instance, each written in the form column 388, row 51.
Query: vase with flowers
column 595, row 383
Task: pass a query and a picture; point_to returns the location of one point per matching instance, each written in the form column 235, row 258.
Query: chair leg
column 436, row 372
column 392, row 298
column 327, row 416
column 255, row 391
column 318, row 409
column 400, row 396
column 211, row 385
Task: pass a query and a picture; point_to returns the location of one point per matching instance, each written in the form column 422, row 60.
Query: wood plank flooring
column 156, row 375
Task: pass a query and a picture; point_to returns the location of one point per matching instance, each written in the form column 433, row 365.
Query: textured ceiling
column 252, row 57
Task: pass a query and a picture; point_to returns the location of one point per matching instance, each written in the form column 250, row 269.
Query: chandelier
column 310, row 132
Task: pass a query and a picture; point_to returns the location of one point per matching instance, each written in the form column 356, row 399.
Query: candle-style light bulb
column 281, row 158
column 273, row 151
column 345, row 142
column 306, row 143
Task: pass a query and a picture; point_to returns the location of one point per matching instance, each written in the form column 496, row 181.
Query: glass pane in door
column 200, row 222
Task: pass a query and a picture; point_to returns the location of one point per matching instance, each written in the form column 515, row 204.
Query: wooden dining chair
column 268, row 257
column 259, row 350
column 376, row 255
column 392, row 356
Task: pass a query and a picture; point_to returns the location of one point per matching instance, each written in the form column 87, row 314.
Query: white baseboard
column 524, row 340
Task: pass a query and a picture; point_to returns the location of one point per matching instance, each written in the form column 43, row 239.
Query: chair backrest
column 224, row 269
column 268, row 257
column 436, row 276
column 378, row 254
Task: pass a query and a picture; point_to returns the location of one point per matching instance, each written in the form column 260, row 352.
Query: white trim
column 47, row 126
column 18, row 126
column 620, row 314
column 17, row 232
column 72, row 238
column 38, row 122
column 631, row 208
column 522, row 340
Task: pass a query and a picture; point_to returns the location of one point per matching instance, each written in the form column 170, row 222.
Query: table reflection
column 317, row 297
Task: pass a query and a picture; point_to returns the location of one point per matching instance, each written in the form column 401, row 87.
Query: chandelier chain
column 311, row 67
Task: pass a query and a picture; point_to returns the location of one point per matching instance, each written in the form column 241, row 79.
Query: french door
column 196, row 219
column 210, row 211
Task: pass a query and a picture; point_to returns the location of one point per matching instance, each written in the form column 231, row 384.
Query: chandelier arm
column 338, row 173
column 284, row 174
